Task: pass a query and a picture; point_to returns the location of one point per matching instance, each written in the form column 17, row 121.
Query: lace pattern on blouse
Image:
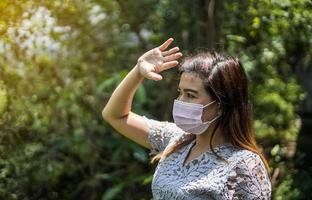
column 244, row 177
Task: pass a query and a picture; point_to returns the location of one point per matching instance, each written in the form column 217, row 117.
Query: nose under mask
column 188, row 116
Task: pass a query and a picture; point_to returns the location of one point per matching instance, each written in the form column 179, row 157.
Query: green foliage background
column 61, row 60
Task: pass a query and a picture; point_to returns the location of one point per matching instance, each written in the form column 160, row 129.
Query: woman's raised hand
column 157, row 60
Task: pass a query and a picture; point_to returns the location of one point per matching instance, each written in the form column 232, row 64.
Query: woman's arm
column 117, row 111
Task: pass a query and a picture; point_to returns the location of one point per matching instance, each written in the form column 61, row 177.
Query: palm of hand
column 156, row 60
column 151, row 60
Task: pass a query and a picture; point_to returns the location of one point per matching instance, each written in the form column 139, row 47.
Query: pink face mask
column 188, row 116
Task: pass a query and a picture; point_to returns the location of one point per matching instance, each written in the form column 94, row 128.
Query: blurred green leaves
column 3, row 98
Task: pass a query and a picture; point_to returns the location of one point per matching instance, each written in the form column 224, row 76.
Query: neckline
column 191, row 145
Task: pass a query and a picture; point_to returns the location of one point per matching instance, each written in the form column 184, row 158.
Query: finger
column 165, row 44
column 173, row 57
column 154, row 76
column 168, row 65
column 171, row 51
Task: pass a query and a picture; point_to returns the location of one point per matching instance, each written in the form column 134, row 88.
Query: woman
column 210, row 151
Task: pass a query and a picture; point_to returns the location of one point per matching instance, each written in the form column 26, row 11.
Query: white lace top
column 205, row 177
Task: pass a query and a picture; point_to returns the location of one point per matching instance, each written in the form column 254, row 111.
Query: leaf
column 3, row 99
column 140, row 95
column 112, row 192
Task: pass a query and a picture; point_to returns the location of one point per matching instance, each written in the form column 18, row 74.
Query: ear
column 220, row 111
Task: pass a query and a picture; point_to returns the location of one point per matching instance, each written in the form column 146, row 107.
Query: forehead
column 192, row 81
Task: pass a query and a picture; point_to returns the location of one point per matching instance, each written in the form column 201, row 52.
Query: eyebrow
column 189, row 90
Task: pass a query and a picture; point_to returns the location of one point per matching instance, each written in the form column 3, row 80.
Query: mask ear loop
column 210, row 86
column 209, row 104
column 214, row 119
column 219, row 100
column 211, row 121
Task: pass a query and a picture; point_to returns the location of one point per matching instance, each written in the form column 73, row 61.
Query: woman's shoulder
column 164, row 126
column 248, row 173
column 160, row 124
column 243, row 158
column 163, row 133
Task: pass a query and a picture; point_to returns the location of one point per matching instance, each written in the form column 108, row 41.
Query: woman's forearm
column 149, row 65
column 119, row 104
column 117, row 111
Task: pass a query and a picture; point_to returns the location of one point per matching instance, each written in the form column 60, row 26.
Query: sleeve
column 160, row 134
column 249, row 180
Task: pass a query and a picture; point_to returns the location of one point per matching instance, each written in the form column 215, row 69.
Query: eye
column 189, row 95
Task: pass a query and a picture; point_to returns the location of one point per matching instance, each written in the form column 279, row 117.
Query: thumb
column 154, row 76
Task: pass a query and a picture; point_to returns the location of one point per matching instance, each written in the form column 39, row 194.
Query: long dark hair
column 225, row 79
